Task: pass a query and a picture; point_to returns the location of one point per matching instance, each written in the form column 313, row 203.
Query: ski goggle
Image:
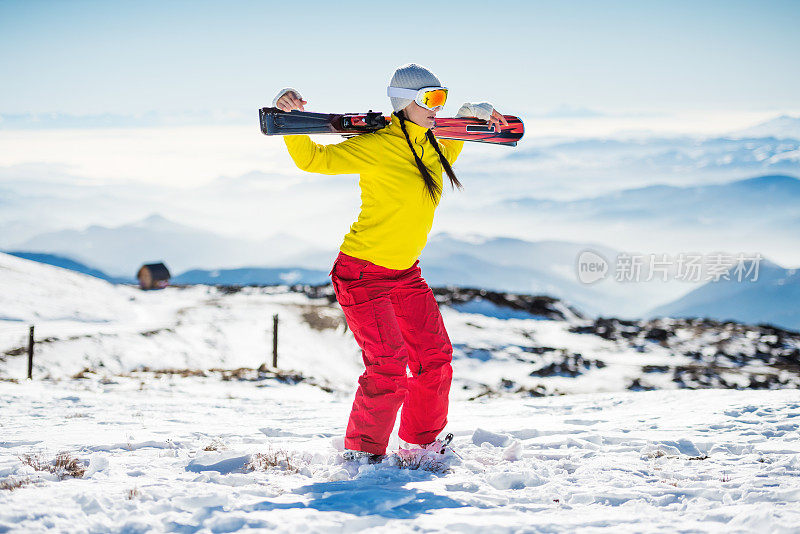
column 427, row 97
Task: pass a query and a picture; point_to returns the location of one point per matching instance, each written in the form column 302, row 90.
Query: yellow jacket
column 396, row 209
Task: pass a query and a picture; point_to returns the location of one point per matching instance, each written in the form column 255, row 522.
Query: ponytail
column 431, row 186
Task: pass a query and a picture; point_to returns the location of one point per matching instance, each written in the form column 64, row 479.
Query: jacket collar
column 415, row 132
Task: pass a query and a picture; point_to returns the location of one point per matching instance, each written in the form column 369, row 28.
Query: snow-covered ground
column 496, row 350
column 659, row 461
column 156, row 403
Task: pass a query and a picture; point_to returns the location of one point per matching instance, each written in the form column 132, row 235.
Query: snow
column 203, row 327
column 707, row 460
column 34, row 292
column 170, row 451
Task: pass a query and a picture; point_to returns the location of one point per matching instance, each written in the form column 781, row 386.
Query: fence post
column 30, row 353
column 275, row 341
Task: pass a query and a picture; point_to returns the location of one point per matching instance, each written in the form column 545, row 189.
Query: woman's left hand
column 484, row 111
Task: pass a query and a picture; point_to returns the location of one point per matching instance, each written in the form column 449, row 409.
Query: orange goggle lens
column 434, row 98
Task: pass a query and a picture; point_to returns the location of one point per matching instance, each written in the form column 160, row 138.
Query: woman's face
column 421, row 116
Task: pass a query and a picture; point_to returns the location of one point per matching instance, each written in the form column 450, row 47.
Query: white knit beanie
column 411, row 76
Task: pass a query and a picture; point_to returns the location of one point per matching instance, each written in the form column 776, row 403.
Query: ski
column 478, row 131
column 277, row 122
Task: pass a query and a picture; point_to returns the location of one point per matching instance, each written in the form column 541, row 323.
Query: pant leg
column 424, row 413
column 366, row 302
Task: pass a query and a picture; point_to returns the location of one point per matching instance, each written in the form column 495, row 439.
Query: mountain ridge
column 771, row 299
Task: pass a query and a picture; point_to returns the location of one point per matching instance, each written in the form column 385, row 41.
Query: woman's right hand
column 289, row 99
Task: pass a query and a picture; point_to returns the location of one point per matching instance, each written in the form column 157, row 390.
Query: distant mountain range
column 123, row 249
column 494, row 263
column 760, row 200
column 539, row 268
column 509, row 264
column 253, row 276
column 782, row 127
column 759, row 214
column 47, row 121
column 756, row 214
column 769, row 148
column 774, row 298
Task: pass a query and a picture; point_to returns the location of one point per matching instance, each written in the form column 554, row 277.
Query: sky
column 111, row 111
column 224, row 60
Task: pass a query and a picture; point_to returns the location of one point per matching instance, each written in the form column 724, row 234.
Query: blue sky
column 174, row 57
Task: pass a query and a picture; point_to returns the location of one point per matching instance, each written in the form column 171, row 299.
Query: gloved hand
column 479, row 110
column 483, row 111
column 288, row 99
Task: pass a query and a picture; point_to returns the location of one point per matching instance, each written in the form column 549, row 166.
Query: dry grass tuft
column 10, row 484
column 84, row 373
column 132, row 494
column 279, row 459
column 33, row 460
column 215, row 445
column 64, row 465
column 422, row 462
column 322, row 318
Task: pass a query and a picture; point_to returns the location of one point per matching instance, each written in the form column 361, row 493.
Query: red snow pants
column 396, row 322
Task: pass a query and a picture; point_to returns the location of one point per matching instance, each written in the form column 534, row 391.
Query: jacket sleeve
column 351, row 156
column 451, row 148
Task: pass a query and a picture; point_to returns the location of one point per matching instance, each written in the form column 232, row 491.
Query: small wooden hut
column 153, row 276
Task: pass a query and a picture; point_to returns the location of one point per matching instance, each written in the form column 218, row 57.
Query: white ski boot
column 432, row 456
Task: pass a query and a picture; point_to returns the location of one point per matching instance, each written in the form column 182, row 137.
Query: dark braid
column 433, row 188
column 446, row 164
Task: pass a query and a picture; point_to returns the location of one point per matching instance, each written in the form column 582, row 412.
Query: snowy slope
column 33, row 292
column 154, row 398
column 170, row 455
column 70, row 264
column 65, row 305
column 502, row 346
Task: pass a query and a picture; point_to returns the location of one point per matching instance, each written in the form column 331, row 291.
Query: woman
column 388, row 306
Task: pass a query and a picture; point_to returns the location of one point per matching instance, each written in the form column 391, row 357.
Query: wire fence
column 20, row 340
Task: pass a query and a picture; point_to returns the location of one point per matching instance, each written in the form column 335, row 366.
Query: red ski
column 477, row 130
